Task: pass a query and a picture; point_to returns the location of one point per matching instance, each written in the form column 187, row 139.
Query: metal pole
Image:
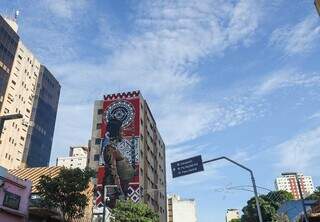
column 302, row 199
column 104, row 203
column 252, row 179
column 256, row 196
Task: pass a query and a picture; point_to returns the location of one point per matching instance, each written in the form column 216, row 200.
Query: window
column 22, row 138
column 11, row 200
column 96, row 157
column 97, row 141
column 99, row 126
column 100, row 111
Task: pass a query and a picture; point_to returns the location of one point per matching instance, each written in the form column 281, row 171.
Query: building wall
column 8, row 46
column 19, row 98
column 232, row 214
column 77, row 158
column 40, row 132
column 15, row 186
column 181, row 210
column 289, row 183
column 149, row 183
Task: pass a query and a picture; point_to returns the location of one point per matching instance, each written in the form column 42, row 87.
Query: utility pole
column 8, row 117
column 252, row 180
column 302, row 198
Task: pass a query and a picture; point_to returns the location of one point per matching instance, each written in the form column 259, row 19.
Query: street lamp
column 317, row 4
column 252, row 179
column 8, row 117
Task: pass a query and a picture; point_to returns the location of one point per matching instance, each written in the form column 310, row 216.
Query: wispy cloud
column 285, row 78
column 300, row 152
column 64, row 8
column 299, row 38
column 160, row 57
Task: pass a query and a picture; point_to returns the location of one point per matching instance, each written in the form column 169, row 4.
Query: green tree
column 65, row 192
column 128, row 211
column 269, row 205
column 315, row 195
column 235, row 220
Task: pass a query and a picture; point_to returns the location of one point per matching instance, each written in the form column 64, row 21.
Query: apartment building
column 232, row 214
column 141, row 144
column 288, row 182
column 78, row 156
column 181, row 210
column 8, row 45
column 27, row 92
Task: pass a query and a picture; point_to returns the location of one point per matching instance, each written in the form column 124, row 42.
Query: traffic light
column 317, row 4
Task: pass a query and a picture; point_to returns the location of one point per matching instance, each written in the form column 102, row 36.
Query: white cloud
column 64, row 8
column 299, row 38
column 300, row 153
column 285, row 78
column 170, row 40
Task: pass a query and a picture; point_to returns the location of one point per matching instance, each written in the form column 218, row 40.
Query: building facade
column 27, row 141
column 232, row 214
column 8, row 45
column 44, row 111
column 77, row 158
column 181, row 210
column 141, row 145
column 288, row 182
column 14, row 197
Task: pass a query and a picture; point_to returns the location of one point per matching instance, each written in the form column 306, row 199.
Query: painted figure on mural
column 118, row 170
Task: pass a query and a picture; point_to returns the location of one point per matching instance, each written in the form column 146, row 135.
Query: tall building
column 77, row 158
column 288, row 182
column 181, row 210
column 232, row 214
column 33, row 92
column 8, row 45
column 44, row 111
column 142, row 146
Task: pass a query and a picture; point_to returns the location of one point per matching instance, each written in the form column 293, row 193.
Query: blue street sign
column 187, row 166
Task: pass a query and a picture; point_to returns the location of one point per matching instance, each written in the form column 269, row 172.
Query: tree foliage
column 128, row 211
column 269, row 205
column 65, row 192
column 315, row 195
column 235, row 220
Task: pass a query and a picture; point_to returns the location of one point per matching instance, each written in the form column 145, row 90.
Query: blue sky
column 236, row 78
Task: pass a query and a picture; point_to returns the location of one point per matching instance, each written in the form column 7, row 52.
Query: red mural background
column 129, row 133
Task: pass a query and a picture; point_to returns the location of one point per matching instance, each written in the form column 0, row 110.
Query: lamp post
column 252, row 179
column 8, row 117
column 301, row 197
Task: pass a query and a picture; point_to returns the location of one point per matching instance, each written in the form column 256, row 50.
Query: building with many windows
column 8, row 45
column 141, row 145
column 288, row 182
column 181, row 210
column 32, row 91
column 232, row 214
column 77, row 158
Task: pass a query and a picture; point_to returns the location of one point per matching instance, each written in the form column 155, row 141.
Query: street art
column 119, row 155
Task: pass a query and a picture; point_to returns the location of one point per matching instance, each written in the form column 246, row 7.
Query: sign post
column 187, row 166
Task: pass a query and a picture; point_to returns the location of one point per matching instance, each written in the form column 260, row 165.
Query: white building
column 181, row 210
column 77, row 158
column 232, row 214
column 288, row 182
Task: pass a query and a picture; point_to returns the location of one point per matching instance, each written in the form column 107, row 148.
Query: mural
column 119, row 155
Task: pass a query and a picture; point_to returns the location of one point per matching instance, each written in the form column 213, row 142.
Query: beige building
column 232, row 214
column 31, row 90
column 181, row 210
column 148, row 155
column 77, row 158
column 18, row 98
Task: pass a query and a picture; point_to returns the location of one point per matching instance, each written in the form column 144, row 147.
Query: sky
column 238, row 78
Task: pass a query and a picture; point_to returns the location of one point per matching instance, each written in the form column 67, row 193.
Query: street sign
column 187, row 166
column 317, row 4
